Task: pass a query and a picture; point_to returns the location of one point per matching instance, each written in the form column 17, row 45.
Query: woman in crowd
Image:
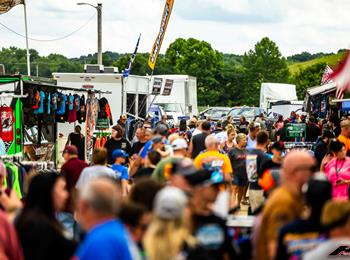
column 279, row 123
column 168, row 237
column 243, row 125
column 337, row 170
column 40, row 234
column 230, row 142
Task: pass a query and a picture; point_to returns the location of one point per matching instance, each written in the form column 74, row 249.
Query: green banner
column 296, row 130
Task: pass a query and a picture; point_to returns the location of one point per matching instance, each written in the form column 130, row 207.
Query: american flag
column 341, row 76
column 128, row 68
column 326, row 77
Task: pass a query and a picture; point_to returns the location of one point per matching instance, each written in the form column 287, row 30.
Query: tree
column 308, row 77
column 199, row 59
column 263, row 64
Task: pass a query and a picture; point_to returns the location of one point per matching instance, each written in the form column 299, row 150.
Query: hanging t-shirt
column 35, row 99
column 81, row 113
column 70, row 102
column 7, row 121
column 40, row 110
column 48, row 104
column 54, row 101
column 76, row 102
column 61, row 101
column 72, row 106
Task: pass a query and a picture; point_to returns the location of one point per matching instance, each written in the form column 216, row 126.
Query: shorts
column 239, row 182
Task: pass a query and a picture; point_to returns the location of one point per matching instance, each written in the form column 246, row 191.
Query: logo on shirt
column 210, row 237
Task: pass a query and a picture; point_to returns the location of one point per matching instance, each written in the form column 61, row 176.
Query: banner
column 168, row 87
column 157, row 86
column 127, row 70
column 6, row 5
column 163, row 25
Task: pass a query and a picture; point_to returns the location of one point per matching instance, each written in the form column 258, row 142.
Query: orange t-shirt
column 346, row 141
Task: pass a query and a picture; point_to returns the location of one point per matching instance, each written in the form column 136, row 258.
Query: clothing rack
column 39, row 165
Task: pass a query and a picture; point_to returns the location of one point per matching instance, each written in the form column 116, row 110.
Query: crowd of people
column 168, row 193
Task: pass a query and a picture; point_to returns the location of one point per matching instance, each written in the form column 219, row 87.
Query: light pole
column 99, row 30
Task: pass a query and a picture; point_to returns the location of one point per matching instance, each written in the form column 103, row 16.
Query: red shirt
column 71, row 170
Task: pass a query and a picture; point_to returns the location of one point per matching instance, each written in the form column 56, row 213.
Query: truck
column 182, row 101
column 279, row 99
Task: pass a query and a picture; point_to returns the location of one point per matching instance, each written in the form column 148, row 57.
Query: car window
column 218, row 113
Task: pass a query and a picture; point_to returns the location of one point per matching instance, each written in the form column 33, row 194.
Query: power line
column 50, row 40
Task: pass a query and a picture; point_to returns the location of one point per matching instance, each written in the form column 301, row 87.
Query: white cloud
column 230, row 26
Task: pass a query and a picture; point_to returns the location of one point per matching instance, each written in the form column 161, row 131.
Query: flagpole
column 26, row 31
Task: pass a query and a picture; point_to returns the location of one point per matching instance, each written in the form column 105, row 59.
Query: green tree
column 308, row 77
column 199, row 59
column 263, row 64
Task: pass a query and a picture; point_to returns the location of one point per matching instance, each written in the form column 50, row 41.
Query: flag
column 326, row 77
column 6, row 5
column 341, row 76
column 158, row 42
column 131, row 61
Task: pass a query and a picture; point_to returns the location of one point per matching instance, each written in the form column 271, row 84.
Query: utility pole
column 99, row 30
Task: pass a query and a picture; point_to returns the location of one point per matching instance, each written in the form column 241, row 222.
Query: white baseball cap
column 170, row 203
column 179, row 144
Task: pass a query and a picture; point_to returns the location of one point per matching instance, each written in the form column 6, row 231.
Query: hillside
column 331, row 60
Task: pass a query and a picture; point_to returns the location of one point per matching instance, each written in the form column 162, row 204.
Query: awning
column 324, row 89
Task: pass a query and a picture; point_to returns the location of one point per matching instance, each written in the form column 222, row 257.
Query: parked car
column 250, row 113
column 215, row 113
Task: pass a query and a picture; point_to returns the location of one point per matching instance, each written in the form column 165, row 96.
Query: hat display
column 179, row 144
column 119, row 153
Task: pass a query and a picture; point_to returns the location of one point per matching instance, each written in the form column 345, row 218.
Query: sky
column 230, row 26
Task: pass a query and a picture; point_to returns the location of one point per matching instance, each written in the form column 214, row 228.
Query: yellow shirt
column 213, row 159
column 345, row 140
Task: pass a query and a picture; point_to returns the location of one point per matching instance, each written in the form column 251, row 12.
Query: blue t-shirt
column 40, row 110
column 120, row 171
column 108, row 240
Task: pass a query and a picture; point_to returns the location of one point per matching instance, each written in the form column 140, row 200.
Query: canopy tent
column 329, row 88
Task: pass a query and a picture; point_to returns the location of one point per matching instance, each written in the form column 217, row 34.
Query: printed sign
column 296, row 130
column 168, row 87
column 157, row 86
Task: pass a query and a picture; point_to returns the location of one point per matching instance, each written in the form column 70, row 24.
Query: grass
column 331, row 60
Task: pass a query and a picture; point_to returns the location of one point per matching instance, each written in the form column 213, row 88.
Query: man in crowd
column 285, row 204
column 281, row 134
column 255, row 159
column 197, row 143
column 71, row 170
column 213, row 160
column 141, row 141
column 121, row 172
column 117, row 142
column 106, row 237
column 322, row 146
column 336, row 219
column 254, row 128
column 122, row 121
column 313, row 131
column 161, row 172
column 345, row 134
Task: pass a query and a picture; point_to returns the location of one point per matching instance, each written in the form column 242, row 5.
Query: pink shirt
column 338, row 170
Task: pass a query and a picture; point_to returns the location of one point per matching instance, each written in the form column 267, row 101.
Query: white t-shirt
column 331, row 249
column 196, row 132
column 251, row 144
column 222, row 137
column 92, row 172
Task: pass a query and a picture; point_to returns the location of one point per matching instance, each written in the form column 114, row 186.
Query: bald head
column 297, row 166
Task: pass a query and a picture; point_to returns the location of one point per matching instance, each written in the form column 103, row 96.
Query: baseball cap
column 157, row 139
column 205, row 178
column 279, row 146
column 179, row 144
column 170, row 203
column 124, row 116
column 71, row 149
column 119, row 153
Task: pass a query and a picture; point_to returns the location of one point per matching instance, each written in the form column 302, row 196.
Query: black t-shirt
column 238, row 158
column 198, row 142
column 256, row 164
column 299, row 237
column 143, row 172
column 243, row 127
column 113, row 144
column 136, row 148
column 212, row 235
column 268, row 165
column 312, row 132
column 283, row 135
column 79, row 141
column 320, row 151
column 40, row 240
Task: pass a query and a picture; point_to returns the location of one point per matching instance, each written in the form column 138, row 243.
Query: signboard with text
column 168, row 87
column 296, row 130
column 157, row 86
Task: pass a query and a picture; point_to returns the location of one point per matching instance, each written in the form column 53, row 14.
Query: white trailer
column 182, row 100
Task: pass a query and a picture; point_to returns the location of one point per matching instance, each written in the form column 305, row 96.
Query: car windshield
column 219, row 113
column 171, row 107
column 244, row 111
